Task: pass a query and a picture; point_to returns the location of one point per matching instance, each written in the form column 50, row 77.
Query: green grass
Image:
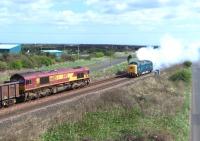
column 178, row 125
column 80, row 62
column 182, row 75
column 112, row 124
column 115, row 69
column 116, row 122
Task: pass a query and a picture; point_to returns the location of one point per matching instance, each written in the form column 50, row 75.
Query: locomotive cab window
column 80, row 75
column 44, row 80
column 28, row 82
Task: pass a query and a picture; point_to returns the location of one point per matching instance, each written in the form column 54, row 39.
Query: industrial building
column 57, row 53
column 10, row 48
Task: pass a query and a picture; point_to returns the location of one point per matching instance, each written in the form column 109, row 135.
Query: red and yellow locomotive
column 32, row 85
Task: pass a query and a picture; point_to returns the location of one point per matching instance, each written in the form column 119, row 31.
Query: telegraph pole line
column 78, row 52
column 110, row 55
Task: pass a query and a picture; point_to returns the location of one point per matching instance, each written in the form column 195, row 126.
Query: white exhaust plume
column 171, row 52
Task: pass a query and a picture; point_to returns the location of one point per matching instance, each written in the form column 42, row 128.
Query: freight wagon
column 139, row 67
column 8, row 93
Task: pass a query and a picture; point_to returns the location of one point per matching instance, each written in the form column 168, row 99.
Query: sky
column 141, row 22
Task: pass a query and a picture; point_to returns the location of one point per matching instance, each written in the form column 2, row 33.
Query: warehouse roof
column 52, row 51
column 8, row 46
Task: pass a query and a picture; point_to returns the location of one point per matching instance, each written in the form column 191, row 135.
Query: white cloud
column 121, row 6
column 143, row 14
column 90, row 2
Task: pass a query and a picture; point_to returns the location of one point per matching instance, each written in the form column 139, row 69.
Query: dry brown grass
column 158, row 96
column 154, row 95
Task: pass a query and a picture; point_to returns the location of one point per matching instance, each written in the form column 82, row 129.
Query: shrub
column 15, row 64
column 66, row 57
column 88, row 57
column 53, row 56
column 187, row 64
column 44, row 60
column 36, row 60
column 182, row 75
column 109, row 53
column 27, row 62
column 99, row 54
column 6, row 57
column 129, row 57
column 3, row 66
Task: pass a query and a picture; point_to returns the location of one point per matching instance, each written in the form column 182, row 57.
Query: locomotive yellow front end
column 132, row 70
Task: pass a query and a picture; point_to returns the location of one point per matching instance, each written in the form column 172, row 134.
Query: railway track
column 22, row 108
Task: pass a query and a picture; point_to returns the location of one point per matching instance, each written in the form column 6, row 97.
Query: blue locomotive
column 139, row 67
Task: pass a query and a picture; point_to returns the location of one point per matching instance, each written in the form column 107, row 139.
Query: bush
column 129, row 57
column 27, row 62
column 53, row 56
column 182, row 75
column 187, row 64
column 3, row 66
column 66, row 57
column 6, row 57
column 42, row 60
column 85, row 57
column 15, row 64
column 99, row 54
column 109, row 53
column 46, row 60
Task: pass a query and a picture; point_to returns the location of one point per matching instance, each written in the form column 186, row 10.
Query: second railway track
column 22, row 108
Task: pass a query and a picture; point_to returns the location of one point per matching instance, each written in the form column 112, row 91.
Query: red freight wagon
column 8, row 93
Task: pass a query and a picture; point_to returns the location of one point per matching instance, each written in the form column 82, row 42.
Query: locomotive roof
column 29, row 75
column 139, row 61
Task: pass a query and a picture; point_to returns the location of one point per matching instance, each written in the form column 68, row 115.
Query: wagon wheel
column 27, row 97
column 5, row 102
column 54, row 90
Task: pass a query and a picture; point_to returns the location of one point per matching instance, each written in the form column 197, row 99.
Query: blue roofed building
column 10, row 48
column 57, row 53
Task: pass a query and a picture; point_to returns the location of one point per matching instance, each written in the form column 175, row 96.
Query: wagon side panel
column 0, row 96
column 5, row 92
column 13, row 90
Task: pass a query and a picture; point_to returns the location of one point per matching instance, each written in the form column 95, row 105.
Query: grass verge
column 80, row 62
column 110, row 71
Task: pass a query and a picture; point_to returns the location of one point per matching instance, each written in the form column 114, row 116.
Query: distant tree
column 129, row 57
column 187, row 64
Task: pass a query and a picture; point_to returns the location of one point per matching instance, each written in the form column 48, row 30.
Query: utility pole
column 110, row 55
column 78, row 51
